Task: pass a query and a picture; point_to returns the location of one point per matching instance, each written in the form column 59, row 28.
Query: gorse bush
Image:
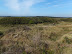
column 32, row 20
column 27, row 20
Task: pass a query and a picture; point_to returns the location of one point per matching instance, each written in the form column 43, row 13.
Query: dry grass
column 40, row 39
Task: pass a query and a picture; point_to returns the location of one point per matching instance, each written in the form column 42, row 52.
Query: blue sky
column 62, row 8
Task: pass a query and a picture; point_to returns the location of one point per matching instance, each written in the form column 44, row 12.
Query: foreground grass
column 38, row 39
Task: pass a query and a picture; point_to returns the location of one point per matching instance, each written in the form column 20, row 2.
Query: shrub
column 1, row 33
column 24, row 52
column 26, row 20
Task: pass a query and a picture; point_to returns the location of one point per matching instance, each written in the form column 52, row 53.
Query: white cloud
column 13, row 4
column 19, row 5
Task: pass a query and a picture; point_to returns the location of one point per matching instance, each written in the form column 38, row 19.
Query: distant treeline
column 31, row 20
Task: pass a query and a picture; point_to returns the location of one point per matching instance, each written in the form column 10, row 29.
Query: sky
column 60, row 8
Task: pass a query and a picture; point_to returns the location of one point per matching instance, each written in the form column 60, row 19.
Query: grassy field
column 37, row 39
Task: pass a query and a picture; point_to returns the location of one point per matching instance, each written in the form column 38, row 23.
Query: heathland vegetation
column 35, row 35
column 27, row 20
column 32, row 20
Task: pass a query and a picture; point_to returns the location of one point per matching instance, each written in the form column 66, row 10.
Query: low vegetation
column 27, row 20
column 35, row 35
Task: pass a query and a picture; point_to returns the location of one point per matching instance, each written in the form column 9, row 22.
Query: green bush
column 26, row 20
column 24, row 52
column 1, row 33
